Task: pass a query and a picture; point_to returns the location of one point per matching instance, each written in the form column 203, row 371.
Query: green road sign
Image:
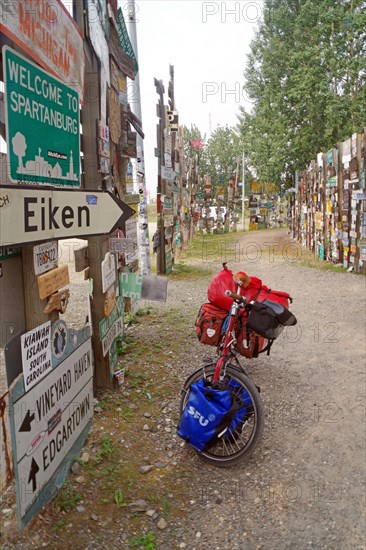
column 42, row 125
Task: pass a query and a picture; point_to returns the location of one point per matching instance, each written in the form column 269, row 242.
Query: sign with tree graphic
column 42, row 124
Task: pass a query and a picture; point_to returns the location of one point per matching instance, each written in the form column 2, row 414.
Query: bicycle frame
column 228, row 340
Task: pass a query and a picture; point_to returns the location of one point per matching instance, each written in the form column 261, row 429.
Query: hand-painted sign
column 48, row 420
column 33, row 214
column 57, row 302
column 42, row 125
column 131, row 233
column 53, row 280
column 45, row 257
column 36, row 354
column 49, row 35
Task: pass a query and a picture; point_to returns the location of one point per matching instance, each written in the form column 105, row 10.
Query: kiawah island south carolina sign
column 47, row 423
column 31, row 214
column 42, row 125
column 47, row 33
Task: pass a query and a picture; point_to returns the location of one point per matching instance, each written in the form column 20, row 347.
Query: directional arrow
column 33, row 474
column 31, row 214
column 26, row 424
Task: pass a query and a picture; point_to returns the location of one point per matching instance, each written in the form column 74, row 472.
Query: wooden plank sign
column 81, row 258
column 58, row 302
column 50, row 282
column 109, row 304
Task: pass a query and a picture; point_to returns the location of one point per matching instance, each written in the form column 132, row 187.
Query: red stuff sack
column 209, row 324
column 255, row 290
column 216, row 290
column 249, row 343
column 278, row 296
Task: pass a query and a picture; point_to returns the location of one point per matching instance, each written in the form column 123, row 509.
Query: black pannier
column 268, row 319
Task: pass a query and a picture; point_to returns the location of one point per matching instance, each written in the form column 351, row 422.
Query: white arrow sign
column 48, row 420
column 31, row 214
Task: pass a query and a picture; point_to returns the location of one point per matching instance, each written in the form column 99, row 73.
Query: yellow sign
column 255, row 186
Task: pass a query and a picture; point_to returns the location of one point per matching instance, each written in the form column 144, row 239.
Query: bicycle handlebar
column 235, row 296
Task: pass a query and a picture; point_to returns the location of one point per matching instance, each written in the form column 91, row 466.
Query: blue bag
column 209, row 411
column 243, row 413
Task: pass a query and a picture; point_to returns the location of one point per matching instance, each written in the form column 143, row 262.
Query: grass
column 181, row 270
column 209, row 247
column 151, row 214
column 147, row 541
column 67, row 497
column 308, row 259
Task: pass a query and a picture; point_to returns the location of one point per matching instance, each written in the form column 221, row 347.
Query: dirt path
column 304, row 485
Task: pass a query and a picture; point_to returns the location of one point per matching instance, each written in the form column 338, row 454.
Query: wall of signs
column 329, row 213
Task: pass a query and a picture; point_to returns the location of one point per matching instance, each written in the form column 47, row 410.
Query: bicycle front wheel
column 240, row 440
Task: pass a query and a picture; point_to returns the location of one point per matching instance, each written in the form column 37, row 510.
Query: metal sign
column 42, row 125
column 125, row 39
column 31, row 214
column 122, row 245
column 49, row 35
column 45, row 257
column 172, row 120
column 108, row 271
column 154, row 288
column 111, row 327
column 130, row 285
column 48, row 420
column 106, row 324
column 36, row 354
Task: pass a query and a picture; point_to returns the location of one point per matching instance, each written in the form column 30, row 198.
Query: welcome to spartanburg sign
column 42, row 124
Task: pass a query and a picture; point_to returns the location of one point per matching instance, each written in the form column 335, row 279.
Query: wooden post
column 160, row 146
column 92, row 179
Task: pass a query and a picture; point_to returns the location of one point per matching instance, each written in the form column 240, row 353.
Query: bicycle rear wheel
column 240, row 440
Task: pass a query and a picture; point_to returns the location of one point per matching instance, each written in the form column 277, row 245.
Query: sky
column 207, row 43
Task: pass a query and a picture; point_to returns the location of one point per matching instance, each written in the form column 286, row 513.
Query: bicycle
column 241, row 438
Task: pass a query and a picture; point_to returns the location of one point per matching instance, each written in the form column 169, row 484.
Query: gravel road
column 304, row 486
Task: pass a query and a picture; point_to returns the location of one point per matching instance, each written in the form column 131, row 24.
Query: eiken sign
column 31, row 214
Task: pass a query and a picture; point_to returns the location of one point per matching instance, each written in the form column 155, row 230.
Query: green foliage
column 130, row 318
column 67, row 497
column 118, row 497
column 306, row 79
column 106, row 447
column 166, row 508
column 147, row 541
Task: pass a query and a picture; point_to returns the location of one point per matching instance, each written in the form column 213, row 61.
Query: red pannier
column 209, row 324
column 249, row 343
